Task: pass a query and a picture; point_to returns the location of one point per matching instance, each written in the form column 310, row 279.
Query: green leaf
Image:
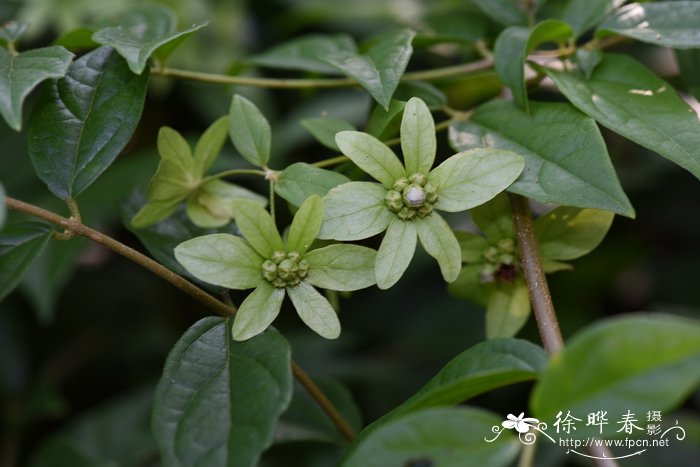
column 384, row 123
column 569, row 233
column 689, row 64
column 305, row 225
column 495, row 219
column 83, row 121
column 572, row 169
column 437, row 437
column 582, row 15
column 10, row 31
column 395, row 252
column 371, row 155
column 440, row 243
column 257, row 311
column 587, row 60
column 506, row 12
column 213, row 204
column 314, row 310
column 257, row 227
column 479, row 369
column 142, row 30
column 301, row 180
column 666, row 24
column 507, row 310
column 20, row 244
column 469, row 286
column 515, row 44
column 3, row 209
column 636, row 363
column 76, row 40
column 380, row 69
column 341, row 267
column 21, row 73
column 218, row 400
column 354, row 211
column 306, row 53
column 626, row 97
column 324, row 129
column 550, row 266
column 473, row 177
column 221, row 259
column 249, row 131
column 209, row 145
column 433, row 97
column 471, row 245
column 418, row 142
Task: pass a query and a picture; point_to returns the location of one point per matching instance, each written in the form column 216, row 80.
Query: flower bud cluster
column 411, row 197
column 499, row 262
column 285, row 269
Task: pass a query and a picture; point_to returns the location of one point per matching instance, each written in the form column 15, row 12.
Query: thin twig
column 78, row 228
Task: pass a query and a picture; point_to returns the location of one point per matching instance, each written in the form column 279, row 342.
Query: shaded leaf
column 305, row 225
column 324, row 129
column 141, row 31
column 301, row 180
column 471, row 245
column 637, row 363
column 82, row 122
column 306, row 53
column 627, row 98
column 506, row 12
column 438, row 240
column 218, row 400
column 3, row 209
column 582, row 15
column 221, row 259
column 441, row 437
column 507, row 310
column 21, row 73
column 433, row 97
column 672, row 24
column 341, row 267
column 257, row 311
column 213, row 203
column 380, row 68
column 10, row 31
column 418, row 142
column 473, row 177
column 384, row 123
column 495, row 219
column 371, row 155
column 689, row 64
column 515, row 44
column 314, row 310
column 469, row 286
column 569, row 233
column 209, row 145
column 354, row 211
column 395, row 252
column 566, row 160
column 257, row 227
column 249, row 131
column 20, row 244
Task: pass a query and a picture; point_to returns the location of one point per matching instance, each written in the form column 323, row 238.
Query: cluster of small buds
column 285, row 269
column 412, row 196
column 499, row 262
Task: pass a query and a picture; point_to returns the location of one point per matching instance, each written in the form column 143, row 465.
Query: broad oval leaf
column 569, row 233
column 301, row 180
column 314, row 310
column 306, row 53
column 507, row 310
column 572, row 168
column 515, row 44
column 636, row 363
column 341, row 267
column 142, row 30
column 481, row 368
column 473, row 177
column 20, row 244
column 371, row 155
column 380, row 69
column 354, row 211
column 668, row 24
column 258, row 227
column 221, row 259
column 495, row 219
column 440, row 242
column 436, row 437
column 582, row 15
column 305, row 225
column 506, row 12
column 624, row 96
column 395, row 252
column 324, row 129
column 218, row 400
column 21, row 73
column 83, row 121
column 257, row 311
column 418, row 142
column 249, row 131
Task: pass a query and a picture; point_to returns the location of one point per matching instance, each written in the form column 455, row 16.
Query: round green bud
column 294, row 256
column 400, row 184
column 506, row 258
column 418, row 178
column 303, row 269
column 414, row 196
column 393, row 200
column 491, row 254
column 406, row 213
column 287, row 269
column 506, row 245
column 269, row 270
column 278, row 256
column 424, row 210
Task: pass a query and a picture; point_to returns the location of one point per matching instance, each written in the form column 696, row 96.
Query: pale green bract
column 275, row 268
column 405, row 201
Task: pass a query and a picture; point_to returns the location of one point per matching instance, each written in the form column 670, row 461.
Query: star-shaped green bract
column 262, row 260
column 405, row 200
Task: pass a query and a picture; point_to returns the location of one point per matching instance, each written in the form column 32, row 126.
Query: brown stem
column 78, row 228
